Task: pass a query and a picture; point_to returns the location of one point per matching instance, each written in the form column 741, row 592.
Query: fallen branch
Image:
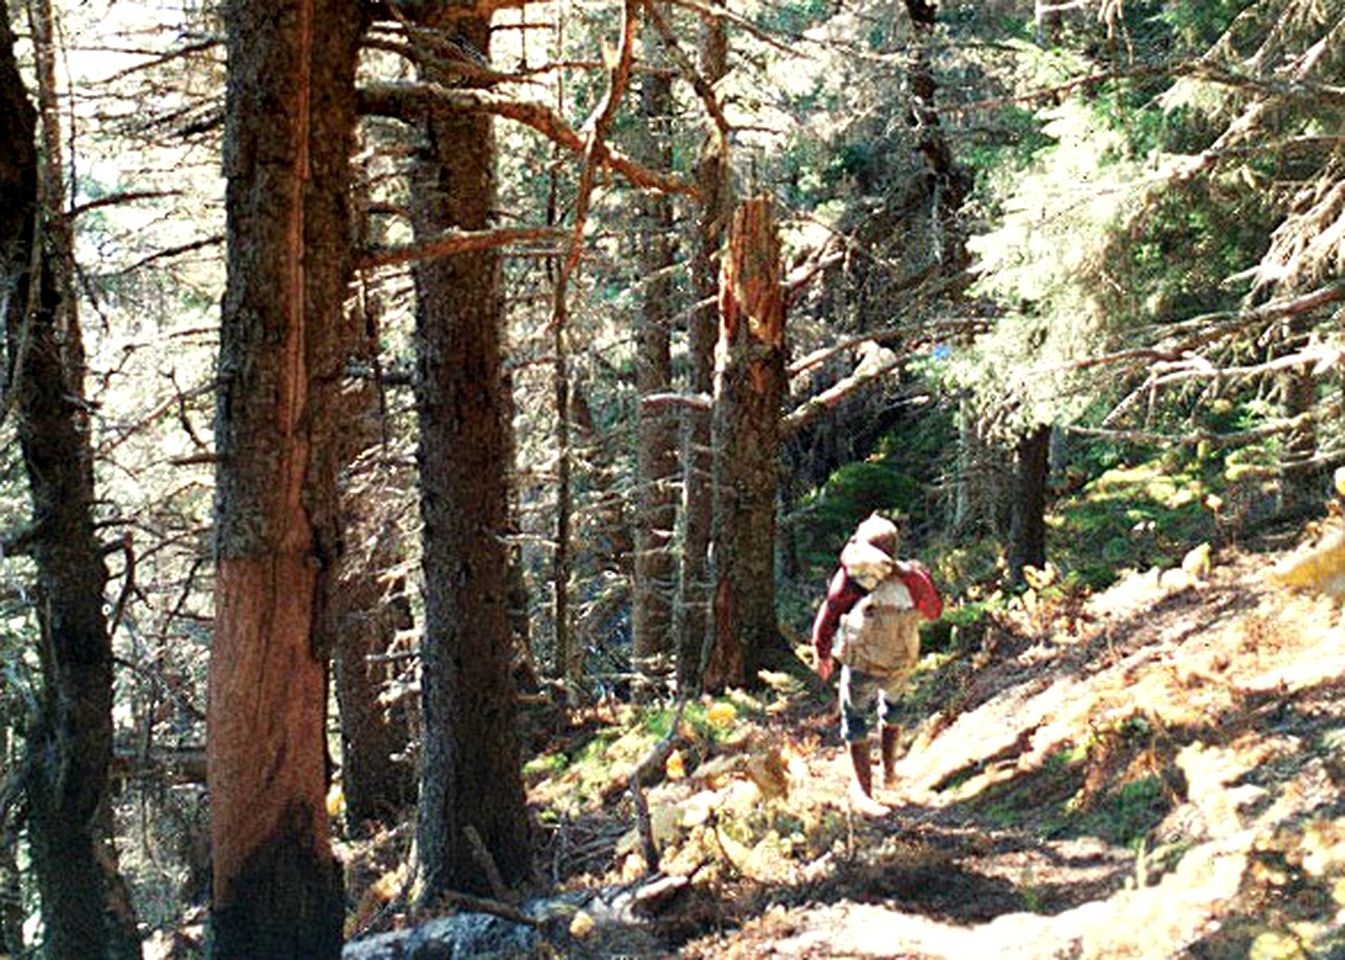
column 465, row 901
column 649, row 771
column 487, row 864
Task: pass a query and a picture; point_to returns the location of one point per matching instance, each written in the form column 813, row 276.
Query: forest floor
column 1151, row 772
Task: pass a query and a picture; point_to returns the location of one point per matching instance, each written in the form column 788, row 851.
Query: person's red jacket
column 843, row 593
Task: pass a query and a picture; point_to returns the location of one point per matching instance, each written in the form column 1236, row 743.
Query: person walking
column 869, row 623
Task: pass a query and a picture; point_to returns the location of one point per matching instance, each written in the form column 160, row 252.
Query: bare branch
column 173, row 252
column 704, row 89
column 125, row 196
column 692, row 401
column 1185, row 337
column 403, row 101
column 454, row 242
column 814, row 407
column 765, row 36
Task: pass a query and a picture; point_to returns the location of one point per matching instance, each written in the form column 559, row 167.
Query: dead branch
column 692, row 401
column 818, row 357
column 1183, row 338
column 704, row 89
column 403, row 101
column 176, row 764
column 648, row 846
column 123, row 196
column 765, row 36
column 172, row 252
column 465, row 901
column 595, row 137
column 127, row 547
column 814, row 407
column 487, row 864
column 649, row 771
column 452, row 243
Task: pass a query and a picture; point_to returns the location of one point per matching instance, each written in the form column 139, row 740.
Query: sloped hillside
column 1155, row 771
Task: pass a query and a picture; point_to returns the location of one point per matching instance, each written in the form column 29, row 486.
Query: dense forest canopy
column 391, row 388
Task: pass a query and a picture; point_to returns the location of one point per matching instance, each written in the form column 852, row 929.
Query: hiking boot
column 891, row 741
column 861, row 791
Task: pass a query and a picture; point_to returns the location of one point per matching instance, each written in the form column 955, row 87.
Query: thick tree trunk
column 471, row 774
column 290, row 114
column 1027, row 529
column 712, row 181
column 655, row 570
column 749, row 388
column 69, row 745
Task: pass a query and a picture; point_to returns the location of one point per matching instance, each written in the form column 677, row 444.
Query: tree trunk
column 69, row 745
column 1027, row 529
column 651, row 608
column 951, row 183
column 569, row 659
column 367, row 609
column 377, row 779
column 471, row 773
column 749, row 388
column 712, row 181
column 1047, row 21
column 290, row 114
column 520, row 622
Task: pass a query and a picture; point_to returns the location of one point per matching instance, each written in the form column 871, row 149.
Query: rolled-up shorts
column 863, row 694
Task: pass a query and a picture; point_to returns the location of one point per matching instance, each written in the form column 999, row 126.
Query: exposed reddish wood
column 749, row 389
column 261, row 667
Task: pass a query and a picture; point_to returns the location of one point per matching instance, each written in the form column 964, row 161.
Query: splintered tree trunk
column 712, row 183
column 69, row 744
column 290, row 113
column 1027, row 529
column 655, row 570
column 749, row 388
column 471, row 773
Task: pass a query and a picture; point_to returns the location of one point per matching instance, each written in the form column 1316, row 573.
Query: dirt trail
column 1156, row 774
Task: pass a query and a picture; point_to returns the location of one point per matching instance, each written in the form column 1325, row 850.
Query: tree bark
column 656, row 469
column 471, row 773
column 367, row 609
column 69, row 745
column 712, row 181
column 749, row 390
column 1027, row 529
column 290, row 114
